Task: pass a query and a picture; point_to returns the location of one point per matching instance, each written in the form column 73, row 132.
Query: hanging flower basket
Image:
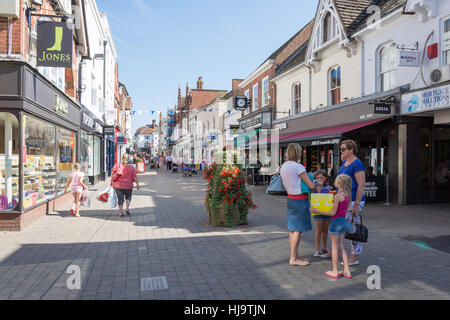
column 227, row 198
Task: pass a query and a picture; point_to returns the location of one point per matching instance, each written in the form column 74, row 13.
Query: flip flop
column 342, row 275
column 329, row 275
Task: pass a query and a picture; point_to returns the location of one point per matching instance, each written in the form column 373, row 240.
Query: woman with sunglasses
column 353, row 167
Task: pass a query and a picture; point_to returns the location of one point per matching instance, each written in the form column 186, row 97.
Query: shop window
column 39, row 169
column 247, row 94
column 255, row 97
column 86, row 153
column 335, row 86
column 296, row 98
column 66, row 156
column 441, row 174
column 387, row 67
column 424, row 155
column 9, row 161
column 97, row 158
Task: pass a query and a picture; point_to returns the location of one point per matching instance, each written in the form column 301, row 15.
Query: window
column 9, row 161
column 327, row 27
column 86, row 154
column 266, row 91
column 387, row 69
column 66, row 156
column 97, row 157
column 93, row 92
column 446, row 44
column 296, row 98
column 255, row 97
column 335, row 85
column 247, row 94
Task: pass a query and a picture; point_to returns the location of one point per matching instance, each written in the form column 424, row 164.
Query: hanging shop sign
column 408, row 58
column 281, row 126
column 241, row 103
column 54, row 44
column 382, row 108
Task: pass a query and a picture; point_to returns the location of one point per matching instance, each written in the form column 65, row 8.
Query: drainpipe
column 363, row 68
column 310, row 86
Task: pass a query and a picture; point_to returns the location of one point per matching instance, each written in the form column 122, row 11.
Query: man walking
column 169, row 162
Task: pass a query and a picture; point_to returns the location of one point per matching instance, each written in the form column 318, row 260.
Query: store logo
column 413, row 103
column 54, row 44
column 61, row 105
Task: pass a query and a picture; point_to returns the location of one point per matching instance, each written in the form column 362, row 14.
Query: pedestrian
column 76, row 179
column 161, row 161
column 339, row 225
column 169, row 162
column 122, row 178
column 298, row 214
column 354, row 167
column 322, row 221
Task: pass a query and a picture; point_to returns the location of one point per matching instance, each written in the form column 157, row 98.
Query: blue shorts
column 298, row 215
column 320, row 217
column 340, row 226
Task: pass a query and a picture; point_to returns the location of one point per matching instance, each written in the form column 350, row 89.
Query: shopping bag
column 113, row 198
column 305, row 188
column 103, row 194
column 85, row 200
column 276, row 186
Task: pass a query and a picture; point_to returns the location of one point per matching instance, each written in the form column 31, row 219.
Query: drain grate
column 154, row 283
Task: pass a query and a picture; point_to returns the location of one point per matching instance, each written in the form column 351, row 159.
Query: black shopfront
column 39, row 133
column 92, row 149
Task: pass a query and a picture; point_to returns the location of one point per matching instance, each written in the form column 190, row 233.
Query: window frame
column 247, row 94
column 296, row 99
column 331, row 90
column 379, row 66
column 264, row 103
column 444, row 60
column 255, row 101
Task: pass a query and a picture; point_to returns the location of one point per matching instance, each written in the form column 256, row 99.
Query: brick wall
column 17, row 33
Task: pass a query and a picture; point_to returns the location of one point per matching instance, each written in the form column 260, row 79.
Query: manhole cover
column 154, row 283
column 441, row 243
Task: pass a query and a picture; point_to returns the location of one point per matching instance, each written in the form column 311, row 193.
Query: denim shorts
column 340, row 226
column 320, row 217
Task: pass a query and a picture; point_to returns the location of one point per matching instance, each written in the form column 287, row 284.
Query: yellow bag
column 322, row 201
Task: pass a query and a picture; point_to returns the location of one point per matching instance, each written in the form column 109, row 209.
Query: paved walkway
column 166, row 250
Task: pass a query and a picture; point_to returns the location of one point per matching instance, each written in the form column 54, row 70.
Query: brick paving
column 167, row 236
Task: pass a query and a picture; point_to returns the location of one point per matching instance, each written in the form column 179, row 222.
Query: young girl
column 339, row 225
column 76, row 178
column 322, row 221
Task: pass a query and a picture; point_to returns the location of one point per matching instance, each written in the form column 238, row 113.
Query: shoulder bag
column 276, row 186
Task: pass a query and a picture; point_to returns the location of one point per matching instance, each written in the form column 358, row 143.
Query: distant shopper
column 322, row 222
column 76, row 179
column 161, row 162
column 353, row 167
column 169, row 162
column 339, row 225
column 298, row 214
column 122, row 178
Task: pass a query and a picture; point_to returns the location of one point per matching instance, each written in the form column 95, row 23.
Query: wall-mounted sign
column 121, row 140
column 98, row 128
column 323, row 142
column 241, row 103
column 281, row 126
column 408, row 58
column 382, row 108
column 254, row 121
column 61, row 105
column 54, row 44
column 426, row 100
column 88, row 121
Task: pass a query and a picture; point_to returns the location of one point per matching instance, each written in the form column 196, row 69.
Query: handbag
column 361, row 233
column 304, row 187
column 117, row 173
column 276, row 186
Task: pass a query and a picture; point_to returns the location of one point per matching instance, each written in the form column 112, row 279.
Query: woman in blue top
column 353, row 167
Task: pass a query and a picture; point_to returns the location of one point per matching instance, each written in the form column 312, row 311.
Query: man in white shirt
column 169, row 162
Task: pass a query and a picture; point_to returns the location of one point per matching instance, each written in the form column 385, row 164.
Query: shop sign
column 426, row 100
column 61, row 105
column 54, row 44
column 251, row 122
column 88, row 121
column 121, row 140
column 408, row 58
column 374, row 189
column 322, row 142
column 382, row 108
column 281, row 126
column 98, row 128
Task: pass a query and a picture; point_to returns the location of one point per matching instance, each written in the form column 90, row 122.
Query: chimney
column 179, row 95
column 200, row 83
column 153, row 123
column 235, row 84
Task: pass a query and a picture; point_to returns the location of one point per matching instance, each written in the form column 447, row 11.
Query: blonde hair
column 76, row 166
column 125, row 158
column 294, row 152
column 344, row 183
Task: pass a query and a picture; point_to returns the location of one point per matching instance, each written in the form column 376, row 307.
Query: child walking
column 339, row 225
column 76, row 178
column 322, row 221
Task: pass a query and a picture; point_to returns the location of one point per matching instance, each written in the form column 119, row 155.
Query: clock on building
column 240, row 102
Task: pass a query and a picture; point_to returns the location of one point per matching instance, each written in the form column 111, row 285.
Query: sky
column 161, row 45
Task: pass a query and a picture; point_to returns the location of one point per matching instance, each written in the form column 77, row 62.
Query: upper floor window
column 265, row 91
column 327, row 27
column 296, row 98
column 335, row 85
column 255, row 97
column 247, row 94
column 387, row 67
column 446, row 43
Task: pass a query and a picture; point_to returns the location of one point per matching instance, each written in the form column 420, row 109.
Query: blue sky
column 164, row 44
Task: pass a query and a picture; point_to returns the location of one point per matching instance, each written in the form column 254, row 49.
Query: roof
column 144, row 130
column 297, row 58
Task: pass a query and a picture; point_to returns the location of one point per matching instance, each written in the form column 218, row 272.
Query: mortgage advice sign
column 54, row 44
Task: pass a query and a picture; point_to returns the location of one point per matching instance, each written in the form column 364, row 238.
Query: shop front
column 108, row 132
column 370, row 122
column 92, row 146
column 424, row 143
column 39, row 139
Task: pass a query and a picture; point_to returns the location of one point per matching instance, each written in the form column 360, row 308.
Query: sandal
column 331, row 276
column 127, row 212
column 341, row 274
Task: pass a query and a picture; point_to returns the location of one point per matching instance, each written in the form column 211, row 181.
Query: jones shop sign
column 54, row 44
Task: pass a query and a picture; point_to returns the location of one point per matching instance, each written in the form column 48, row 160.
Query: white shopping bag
column 113, row 198
column 103, row 195
column 85, row 200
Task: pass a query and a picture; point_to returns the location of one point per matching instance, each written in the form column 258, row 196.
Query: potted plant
column 227, row 198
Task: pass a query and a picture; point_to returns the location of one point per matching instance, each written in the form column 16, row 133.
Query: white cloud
column 143, row 7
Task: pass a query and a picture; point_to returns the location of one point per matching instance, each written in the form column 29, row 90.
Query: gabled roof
column 297, row 58
column 351, row 12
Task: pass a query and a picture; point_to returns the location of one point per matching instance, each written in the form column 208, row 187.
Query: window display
column 9, row 161
column 86, row 156
column 97, row 155
column 39, row 169
column 66, row 156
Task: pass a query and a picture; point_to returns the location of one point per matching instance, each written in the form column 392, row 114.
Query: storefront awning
column 329, row 132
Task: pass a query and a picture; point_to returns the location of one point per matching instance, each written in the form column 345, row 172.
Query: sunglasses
column 343, row 149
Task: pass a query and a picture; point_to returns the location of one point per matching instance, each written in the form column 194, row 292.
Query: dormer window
column 327, row 27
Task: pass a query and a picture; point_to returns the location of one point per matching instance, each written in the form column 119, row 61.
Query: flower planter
column 218, row 218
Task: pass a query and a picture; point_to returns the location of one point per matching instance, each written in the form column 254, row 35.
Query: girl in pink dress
column 76, row 178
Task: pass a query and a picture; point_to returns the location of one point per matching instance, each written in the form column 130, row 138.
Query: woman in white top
column 298, row 214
